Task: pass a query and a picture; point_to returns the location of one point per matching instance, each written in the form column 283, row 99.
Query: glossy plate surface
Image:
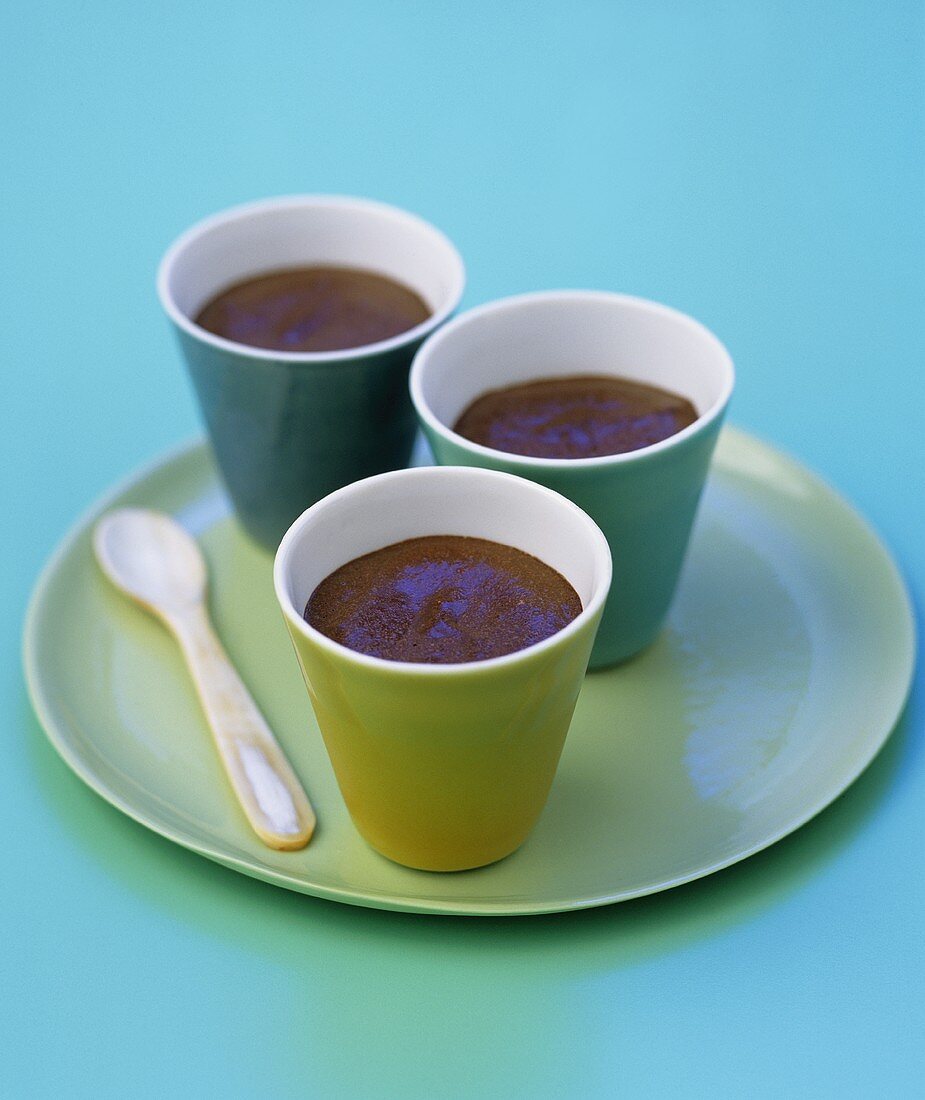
column 784, row 666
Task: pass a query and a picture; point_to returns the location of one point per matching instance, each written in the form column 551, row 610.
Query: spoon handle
column 266, row 786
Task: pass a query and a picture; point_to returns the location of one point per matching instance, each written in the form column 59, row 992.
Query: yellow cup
column 444, row 767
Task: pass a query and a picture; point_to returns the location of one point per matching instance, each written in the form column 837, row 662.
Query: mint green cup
column 287, row 428
column 644, row 501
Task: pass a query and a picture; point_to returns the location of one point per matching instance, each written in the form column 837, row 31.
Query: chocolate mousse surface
column 313, row 309
column 442, row 599
column 577, row 416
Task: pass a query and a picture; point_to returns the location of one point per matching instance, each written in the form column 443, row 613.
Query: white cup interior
column 389, row 508
column 304, row 230
column 560, row 333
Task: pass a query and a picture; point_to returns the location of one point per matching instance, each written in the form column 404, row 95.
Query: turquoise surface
column 758, row 166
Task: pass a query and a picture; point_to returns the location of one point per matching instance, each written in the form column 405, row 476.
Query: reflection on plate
column 784, row 666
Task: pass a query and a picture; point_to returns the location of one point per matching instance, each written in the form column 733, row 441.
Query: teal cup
column 644, row 501
column 287, row 428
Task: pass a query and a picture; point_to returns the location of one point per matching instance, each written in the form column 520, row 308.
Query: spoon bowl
column 151, row 558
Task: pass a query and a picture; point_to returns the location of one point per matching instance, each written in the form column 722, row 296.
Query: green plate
column 784, row 666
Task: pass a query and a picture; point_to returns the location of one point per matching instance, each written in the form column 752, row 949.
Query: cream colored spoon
column 153, row 559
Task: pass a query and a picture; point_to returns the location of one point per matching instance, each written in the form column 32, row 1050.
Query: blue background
column 757, row 165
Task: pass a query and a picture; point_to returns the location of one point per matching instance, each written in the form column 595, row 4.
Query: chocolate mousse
column 313, row 309
column 578, row 416
column 442, row 599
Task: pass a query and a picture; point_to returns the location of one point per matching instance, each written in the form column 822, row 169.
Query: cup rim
column 434, row 342
column 245, row 210
column 284, row 553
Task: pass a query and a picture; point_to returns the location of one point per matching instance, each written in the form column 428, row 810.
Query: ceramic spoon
column 153, row 559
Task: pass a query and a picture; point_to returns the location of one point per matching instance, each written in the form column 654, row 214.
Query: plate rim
column 432, row 906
